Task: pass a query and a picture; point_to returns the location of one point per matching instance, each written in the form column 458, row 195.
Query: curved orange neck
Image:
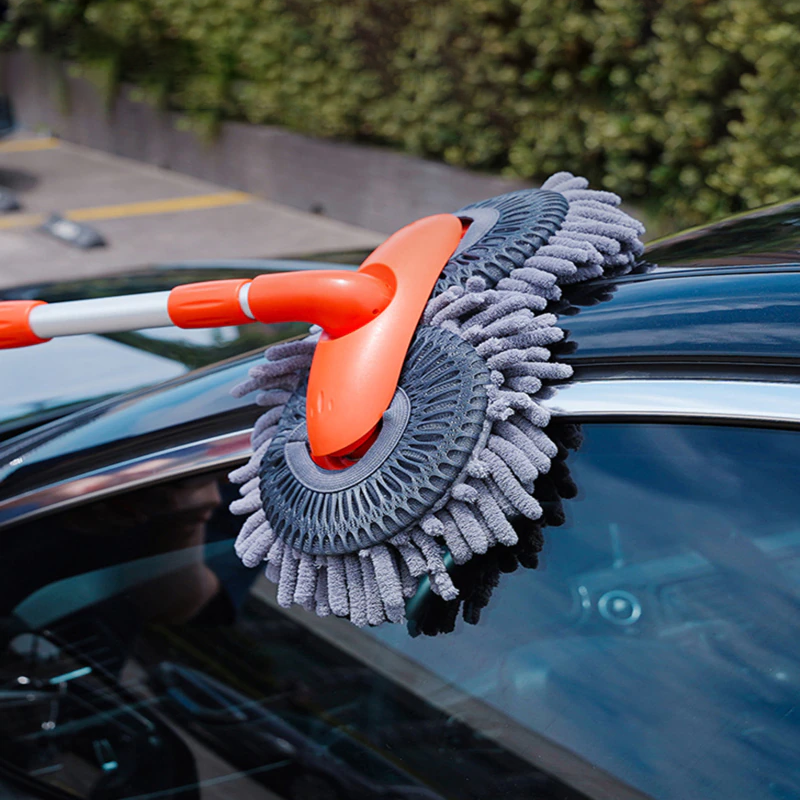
column 369, row 318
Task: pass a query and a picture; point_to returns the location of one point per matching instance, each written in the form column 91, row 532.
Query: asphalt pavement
column 146, row 216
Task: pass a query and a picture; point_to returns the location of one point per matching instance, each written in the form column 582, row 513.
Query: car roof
column 713, row 342
column 729, row 321
column 766, row 236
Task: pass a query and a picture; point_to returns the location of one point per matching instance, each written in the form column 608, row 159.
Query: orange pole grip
column 338, row 301
column 15, row 326
column 210, row 304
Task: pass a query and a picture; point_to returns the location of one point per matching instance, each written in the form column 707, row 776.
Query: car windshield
column 650, row 654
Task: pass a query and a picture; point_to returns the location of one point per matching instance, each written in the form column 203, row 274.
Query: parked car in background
column 652, row 654
column 8, row 200
column 6, row 117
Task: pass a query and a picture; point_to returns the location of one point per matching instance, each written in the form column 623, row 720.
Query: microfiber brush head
column 462, row 444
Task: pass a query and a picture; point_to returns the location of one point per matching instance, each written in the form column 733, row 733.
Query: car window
column 652, row 653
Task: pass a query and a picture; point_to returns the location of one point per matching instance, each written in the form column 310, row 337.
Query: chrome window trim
column 741, row 401
column 713, row 401
column 218, row 452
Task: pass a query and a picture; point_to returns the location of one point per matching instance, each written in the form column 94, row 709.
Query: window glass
column 652, row 653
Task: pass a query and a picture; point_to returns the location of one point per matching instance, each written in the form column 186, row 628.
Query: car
column 8, row 200
column 6, row 117
column 651, row 653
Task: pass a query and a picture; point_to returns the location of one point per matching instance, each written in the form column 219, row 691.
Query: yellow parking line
column 194, row 203
column 148, row 207
column 28, row 145
column 21, row 221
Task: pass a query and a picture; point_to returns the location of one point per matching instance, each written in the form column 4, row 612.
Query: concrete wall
column 367, row 186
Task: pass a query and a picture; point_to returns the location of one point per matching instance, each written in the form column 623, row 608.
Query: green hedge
column 689, row 106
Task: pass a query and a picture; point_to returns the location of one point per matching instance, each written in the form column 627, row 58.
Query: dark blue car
column 652, row 653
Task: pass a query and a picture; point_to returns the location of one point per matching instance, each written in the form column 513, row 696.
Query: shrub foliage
column 691, row 106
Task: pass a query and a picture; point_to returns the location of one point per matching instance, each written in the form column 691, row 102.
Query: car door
column 651, row 652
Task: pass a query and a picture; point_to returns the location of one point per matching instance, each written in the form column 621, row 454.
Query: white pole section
column 244, row 299
column 102, row 315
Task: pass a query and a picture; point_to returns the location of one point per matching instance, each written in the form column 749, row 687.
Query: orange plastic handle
column 368, row 317
column 15, row 326
column 354, row 377
column 207, row 305
column 337, row 300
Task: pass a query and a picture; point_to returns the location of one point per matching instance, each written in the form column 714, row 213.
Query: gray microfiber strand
column 306, row 586
column 388, row 580
column 321, row 603
column 355, row 590
column 337, row 586
column 506, row 327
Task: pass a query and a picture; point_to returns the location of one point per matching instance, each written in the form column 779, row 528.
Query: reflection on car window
column 651, row 654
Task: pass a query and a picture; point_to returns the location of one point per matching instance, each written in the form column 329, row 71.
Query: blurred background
column 686, row 107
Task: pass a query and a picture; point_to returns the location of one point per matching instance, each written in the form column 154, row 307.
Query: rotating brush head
column 463, row 443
